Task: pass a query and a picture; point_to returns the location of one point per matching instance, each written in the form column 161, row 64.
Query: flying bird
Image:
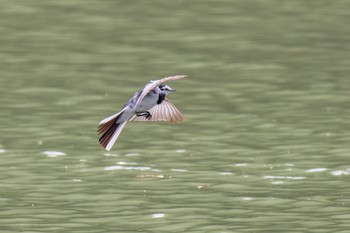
column 148, row 104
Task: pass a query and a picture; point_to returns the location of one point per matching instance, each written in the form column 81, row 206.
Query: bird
column 150, row 103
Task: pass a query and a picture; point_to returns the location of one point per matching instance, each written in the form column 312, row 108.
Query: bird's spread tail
column 110, row 130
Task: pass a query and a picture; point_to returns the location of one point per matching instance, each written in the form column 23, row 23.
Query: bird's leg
column 146, row 114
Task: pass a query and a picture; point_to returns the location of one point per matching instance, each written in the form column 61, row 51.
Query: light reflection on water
column 118, row 167
column 53, row 153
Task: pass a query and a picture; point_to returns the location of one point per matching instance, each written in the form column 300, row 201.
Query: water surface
column 264, row 148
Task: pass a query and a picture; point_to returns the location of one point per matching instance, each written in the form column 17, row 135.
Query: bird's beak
column 172, row 90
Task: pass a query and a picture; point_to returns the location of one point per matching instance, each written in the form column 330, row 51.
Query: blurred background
column 265, row 145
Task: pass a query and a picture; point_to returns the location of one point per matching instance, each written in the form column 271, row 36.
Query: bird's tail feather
column 110, row 130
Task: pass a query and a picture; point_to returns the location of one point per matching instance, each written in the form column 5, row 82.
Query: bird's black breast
column 161, row 98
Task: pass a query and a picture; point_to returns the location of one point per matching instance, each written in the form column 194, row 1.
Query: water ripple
column 285, row 177
column 179, row 170
column 118, row 167
column 340, row 172
column 316, row 169
column 53, row 153
column 158, row 215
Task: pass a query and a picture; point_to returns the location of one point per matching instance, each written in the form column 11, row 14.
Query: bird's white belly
column 147, row 103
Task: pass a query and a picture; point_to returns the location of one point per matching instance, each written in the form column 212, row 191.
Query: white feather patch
column 152, row 84
column 111, row 117
column 115, row 136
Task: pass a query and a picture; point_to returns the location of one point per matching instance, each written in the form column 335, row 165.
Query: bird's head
column 165, row 89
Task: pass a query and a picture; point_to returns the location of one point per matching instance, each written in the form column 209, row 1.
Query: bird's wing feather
column 153, row 84
column 106, row 123
column 109, row 118
column 166, row 111
column 115, row 136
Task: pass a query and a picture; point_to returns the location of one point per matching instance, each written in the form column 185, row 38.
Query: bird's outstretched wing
column 166, row 111
column 152, row 84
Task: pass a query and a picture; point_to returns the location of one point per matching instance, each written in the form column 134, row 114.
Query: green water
column 265, row 146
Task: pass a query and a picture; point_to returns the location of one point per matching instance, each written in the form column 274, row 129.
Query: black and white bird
column 148, row 104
